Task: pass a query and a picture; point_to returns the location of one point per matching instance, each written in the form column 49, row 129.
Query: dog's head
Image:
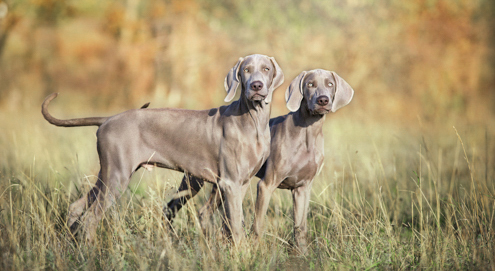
column 258, row 76
column 323, row 91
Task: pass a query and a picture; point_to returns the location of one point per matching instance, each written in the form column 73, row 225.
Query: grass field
column 389, row 197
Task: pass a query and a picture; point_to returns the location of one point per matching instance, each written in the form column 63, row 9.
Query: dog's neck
column 310, row 125
column 258, row 110
column 303, row 117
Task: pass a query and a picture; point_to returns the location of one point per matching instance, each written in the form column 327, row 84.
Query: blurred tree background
column 432, row 59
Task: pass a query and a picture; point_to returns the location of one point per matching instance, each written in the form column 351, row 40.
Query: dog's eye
column 310, row 85
column 246, row 70
column 266, row 69
column 330, row 84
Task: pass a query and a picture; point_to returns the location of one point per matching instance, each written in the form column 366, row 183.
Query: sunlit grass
column 388, row 198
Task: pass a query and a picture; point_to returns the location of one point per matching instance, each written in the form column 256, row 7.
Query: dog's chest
column 309, row 163
column 305, row 163
column 249, row 148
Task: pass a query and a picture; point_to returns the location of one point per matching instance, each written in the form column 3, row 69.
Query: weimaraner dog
column 225, row 146
column 296, row 149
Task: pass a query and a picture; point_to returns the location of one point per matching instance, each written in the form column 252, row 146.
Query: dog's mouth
column 258, row 97
column 320, row 111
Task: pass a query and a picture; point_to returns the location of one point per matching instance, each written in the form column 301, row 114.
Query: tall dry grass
column 408, row 180
column 387, row 198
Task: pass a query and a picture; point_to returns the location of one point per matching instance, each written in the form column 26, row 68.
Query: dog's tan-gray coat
column 225, row 146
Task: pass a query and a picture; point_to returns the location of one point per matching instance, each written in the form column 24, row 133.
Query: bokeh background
column 428, row 59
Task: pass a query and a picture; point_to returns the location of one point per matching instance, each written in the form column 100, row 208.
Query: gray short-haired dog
column 225, row 146
column 297, row 151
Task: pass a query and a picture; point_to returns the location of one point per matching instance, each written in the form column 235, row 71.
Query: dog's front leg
column 232, row 195
column 300, row 197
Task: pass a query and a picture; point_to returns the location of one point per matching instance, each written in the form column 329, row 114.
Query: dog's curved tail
column 96, row 121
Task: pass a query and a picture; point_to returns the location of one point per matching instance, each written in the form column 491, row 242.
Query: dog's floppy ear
column 277, row 80
column 343, row 93
column 232, row 81
column 294, row 93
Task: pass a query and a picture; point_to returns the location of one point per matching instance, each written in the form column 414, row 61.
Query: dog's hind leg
column 77, row 208
column 188, row 188
column 115, row 174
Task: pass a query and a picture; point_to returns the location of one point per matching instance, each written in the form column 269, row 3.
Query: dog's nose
column 322, row 100
column 256, row 85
